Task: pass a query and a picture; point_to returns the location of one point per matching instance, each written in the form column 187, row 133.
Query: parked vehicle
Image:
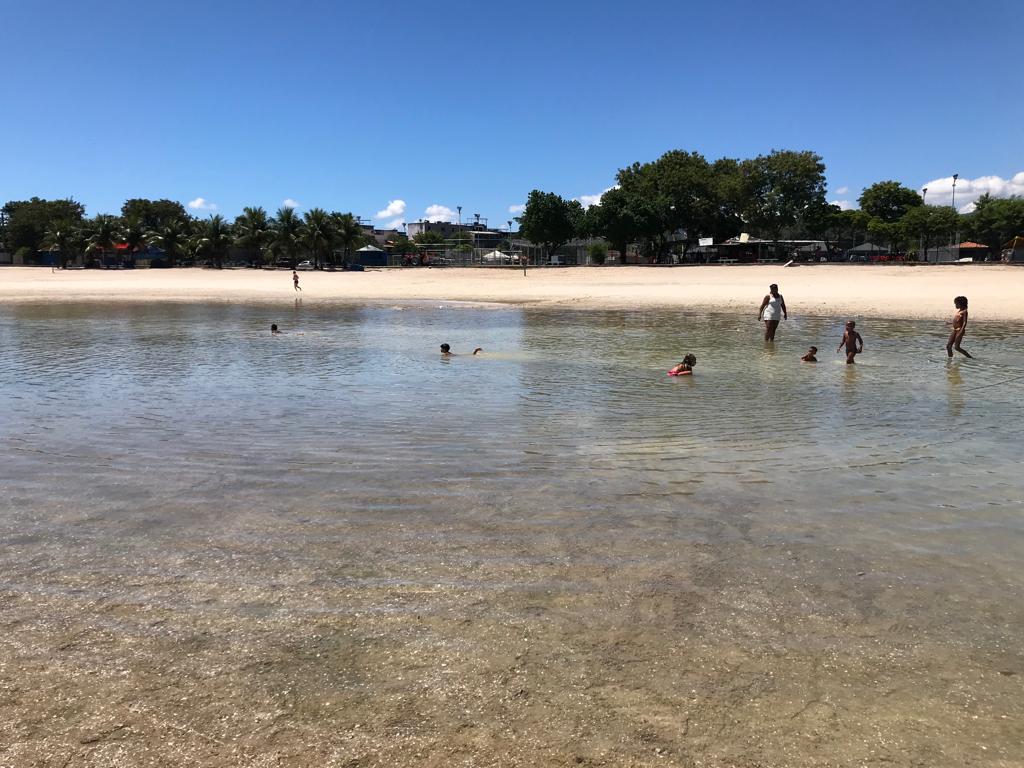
column 305, row 265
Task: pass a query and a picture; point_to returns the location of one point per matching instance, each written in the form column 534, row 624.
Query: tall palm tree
column 133, row 234
column 285, row 239
column 64, row 238
column 215, row 239
column 172, row 239
column 349, row 233
column 317, row 235
column 102, row 235
column 253, row 232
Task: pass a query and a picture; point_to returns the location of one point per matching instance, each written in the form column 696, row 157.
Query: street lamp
column 956, row 238
column 920, row 247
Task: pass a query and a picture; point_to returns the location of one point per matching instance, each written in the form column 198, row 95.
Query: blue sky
column 352, row 106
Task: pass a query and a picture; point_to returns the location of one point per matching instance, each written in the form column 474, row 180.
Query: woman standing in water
column 773, row 309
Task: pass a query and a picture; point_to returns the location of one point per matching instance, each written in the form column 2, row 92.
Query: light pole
column 920, row 247
column 956, row 238
column 511, row 248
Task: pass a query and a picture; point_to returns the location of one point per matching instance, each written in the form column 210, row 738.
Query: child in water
column 273, row 330
column 852, row 341
column 959, row 327
column 446, row 350
column 811, row 356
column 684, row 368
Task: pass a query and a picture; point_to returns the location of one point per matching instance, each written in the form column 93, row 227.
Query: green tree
column 780, row 187
column 102, row 233
column 888, row 201
column 349, row 234
column 28, row 220
column 317, row 235
column 928, row 225
column 172, row 238
column 285, row 238
column 550, row 221
column 64, row 237
column 428, row 237
column 995, row 221
column 598, row 252
column 253, row 232
column 614, row 220
column 133, row 234
column 215, row 240
column 152, row 214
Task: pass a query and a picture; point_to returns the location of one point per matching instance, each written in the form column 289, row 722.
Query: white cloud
column 842, row 190
column 437, row 212
column 588, row 200
column 202, row 204
column 517, row 208
column 844, row 205
column 394, row 209
column 940, row 191
column 289, row 203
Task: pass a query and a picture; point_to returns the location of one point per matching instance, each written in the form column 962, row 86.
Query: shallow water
column 178, row 457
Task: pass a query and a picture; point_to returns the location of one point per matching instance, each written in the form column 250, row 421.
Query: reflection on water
column 182, row 413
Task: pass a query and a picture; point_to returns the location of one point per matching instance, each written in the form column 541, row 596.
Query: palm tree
column 64, row 238
column 285, row 240
column 215, row 239
column 102, row 235
column 171, row 238
column 253, row 231
column 133, row 234
column 349, row 233
column 317, row 235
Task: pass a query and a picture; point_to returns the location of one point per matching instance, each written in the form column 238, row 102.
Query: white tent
column 370, row 249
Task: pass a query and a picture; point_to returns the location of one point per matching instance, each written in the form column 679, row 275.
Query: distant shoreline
column 892, row 291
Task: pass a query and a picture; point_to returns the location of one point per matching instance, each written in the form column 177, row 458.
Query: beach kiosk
column 1013, row 251
column 371, row 256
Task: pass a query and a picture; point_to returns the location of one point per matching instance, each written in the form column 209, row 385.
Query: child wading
column 852, row 341
column 959, row 327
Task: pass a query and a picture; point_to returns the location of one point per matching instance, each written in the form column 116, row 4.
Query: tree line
column 663, row 207
column 60, row 226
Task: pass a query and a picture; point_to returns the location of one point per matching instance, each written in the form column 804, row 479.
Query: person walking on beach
column 852, row 341
column 773, row 309
column 295, row 280
column 959, row 328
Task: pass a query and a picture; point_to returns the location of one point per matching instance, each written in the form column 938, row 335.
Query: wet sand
column 365, row 653
column 852, row 290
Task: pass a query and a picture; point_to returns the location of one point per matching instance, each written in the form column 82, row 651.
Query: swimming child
column 852, row 341
column 446, row 350
column 295, row 280
column 959, row 327
column 684, row 368
column 811, row 356
column 273, row 330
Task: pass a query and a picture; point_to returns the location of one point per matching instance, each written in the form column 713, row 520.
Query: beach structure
column 371, row 256
column 1013, row 251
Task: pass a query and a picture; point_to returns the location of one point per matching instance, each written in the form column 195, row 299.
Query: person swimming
column 685, row 368
column 273, row 330
column 811, row 356
column 446, row 351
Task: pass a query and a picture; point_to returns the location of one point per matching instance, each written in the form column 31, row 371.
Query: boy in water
column 959, row 327
column 811, row 356
column 446, row 350
column 852, row 341
column 273, row 330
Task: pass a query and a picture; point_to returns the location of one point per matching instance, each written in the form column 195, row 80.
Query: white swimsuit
column 773, row 310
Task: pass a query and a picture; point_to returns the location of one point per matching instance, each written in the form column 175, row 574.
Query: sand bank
column 856, row 290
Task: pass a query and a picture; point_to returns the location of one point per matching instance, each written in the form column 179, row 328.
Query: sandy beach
column 855, row 290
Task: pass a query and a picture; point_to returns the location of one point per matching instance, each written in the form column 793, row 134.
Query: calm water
column 123, row 425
